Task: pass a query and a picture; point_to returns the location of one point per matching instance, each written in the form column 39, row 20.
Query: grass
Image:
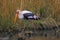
column 47, row 10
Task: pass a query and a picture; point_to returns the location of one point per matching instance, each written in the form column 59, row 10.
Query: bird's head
column 17, row 11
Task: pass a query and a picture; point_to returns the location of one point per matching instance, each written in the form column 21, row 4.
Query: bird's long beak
column 15, row 18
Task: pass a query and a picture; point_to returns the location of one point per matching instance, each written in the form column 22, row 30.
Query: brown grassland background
column 47, row 10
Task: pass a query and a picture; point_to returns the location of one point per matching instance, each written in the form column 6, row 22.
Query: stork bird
column 26, row 15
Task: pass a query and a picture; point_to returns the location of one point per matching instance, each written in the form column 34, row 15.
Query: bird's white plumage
column 25, row 11
column 20, row 16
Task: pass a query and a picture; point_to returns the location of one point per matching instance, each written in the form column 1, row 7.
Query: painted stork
column 26, row 15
